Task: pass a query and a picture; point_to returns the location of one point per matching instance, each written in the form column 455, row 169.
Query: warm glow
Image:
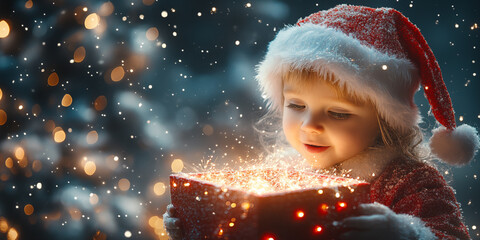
column 37, row 165
column 3, row 117
column 124, row 184
column 177, row 165
column 28, row 209
column 117, row 74
column 92, row 21
column 300, row 214
column 53, row 79
column 4, row 29
column 100, row 103
column 90, row 168
column 1, row 94
column 152, row 33
column 159, row 188
column 155, row 222
column 92, row 137
column 19, row 153
column 12, row 234
column 67, row 100
column 79, row 54
column 29, row 4
column 93, row 198
column 59, row 135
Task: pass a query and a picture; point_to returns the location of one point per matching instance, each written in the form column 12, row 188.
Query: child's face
column 325, row 128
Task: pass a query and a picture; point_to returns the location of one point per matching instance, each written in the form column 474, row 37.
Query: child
column 343, row 82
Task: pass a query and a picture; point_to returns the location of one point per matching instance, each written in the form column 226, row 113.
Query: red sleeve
column 414, row 188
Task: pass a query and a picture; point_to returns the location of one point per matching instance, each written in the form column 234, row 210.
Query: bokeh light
column 152, row 33
column 117, row 74
column 59, row 135
column 79, row 54
column 3, row 117
column 159, row 188
column 123, row 184
column 90, row 168
column 177, row 165
column 53, row 79
column 92, row 21
column 92, row 137
column 100, row 103
column 67, row 100
column 28, row 209
column 4, row 29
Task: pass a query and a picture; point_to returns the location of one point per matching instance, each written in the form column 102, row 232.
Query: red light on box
column 299, row 214
column 269, row 236
column 317, row 229
column 341, row 206
column 323, row 209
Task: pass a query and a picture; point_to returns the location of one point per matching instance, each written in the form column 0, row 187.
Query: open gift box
column 264, row 204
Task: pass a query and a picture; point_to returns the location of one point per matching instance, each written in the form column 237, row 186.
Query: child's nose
column 312, row 124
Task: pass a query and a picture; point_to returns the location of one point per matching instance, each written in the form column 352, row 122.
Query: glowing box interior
column 264, row 204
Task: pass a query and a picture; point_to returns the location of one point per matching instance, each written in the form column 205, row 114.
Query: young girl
column 343, row 82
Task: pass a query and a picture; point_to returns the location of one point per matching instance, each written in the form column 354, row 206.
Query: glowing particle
column 237, row 42
column 320, row 191
column 128, row 234
column 58, row 135
column 231, row 224
column 220, row 232
column 460, row 118
column 92, row 21
column 1, row 94
column 474, row 227
column 3, row 117
column 90, row 168
column 117, row 74
column 152, row 33
column 28, row 209
column 79, row 54
column 177, row 165
column 199, row 14
column 92, row 137
column 174, row 34
column 186, row 184
column 337, row 195
column 214, row 9
column 67, row 100
column 124, row 184
column 456, row 25
column 384, row 67
column 20, row 107
column 53, row 79
column 159, row 188
column 4, row 29
column 164, row 45
column 39, row 185
column 341, row 206
column 248, row 5
column 164, row 14
column 100, row 103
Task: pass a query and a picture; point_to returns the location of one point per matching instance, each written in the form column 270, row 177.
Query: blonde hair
column 405, row 142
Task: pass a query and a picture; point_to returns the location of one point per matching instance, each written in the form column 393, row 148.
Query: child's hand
column 377, row 221
column 172, row 224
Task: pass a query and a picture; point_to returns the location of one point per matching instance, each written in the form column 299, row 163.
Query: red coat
column 414, row 188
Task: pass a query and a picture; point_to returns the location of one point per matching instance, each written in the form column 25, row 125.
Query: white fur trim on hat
column 387, row 80
column 457, row 146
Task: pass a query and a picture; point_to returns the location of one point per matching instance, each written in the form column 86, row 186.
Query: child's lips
column 315, row 149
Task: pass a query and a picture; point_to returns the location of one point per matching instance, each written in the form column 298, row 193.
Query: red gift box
column 264, row 204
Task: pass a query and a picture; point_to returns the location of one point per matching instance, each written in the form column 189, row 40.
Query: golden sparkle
column 59, row 135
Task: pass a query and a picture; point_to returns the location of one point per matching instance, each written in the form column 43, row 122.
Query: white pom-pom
column 457, row 147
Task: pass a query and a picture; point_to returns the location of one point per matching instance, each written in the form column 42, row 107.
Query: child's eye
column 340, row 116
column 295, row 106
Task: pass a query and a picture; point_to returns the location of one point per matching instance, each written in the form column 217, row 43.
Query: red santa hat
column 377, row 54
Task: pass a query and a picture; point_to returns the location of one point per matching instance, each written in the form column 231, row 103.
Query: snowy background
column 93, row 121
